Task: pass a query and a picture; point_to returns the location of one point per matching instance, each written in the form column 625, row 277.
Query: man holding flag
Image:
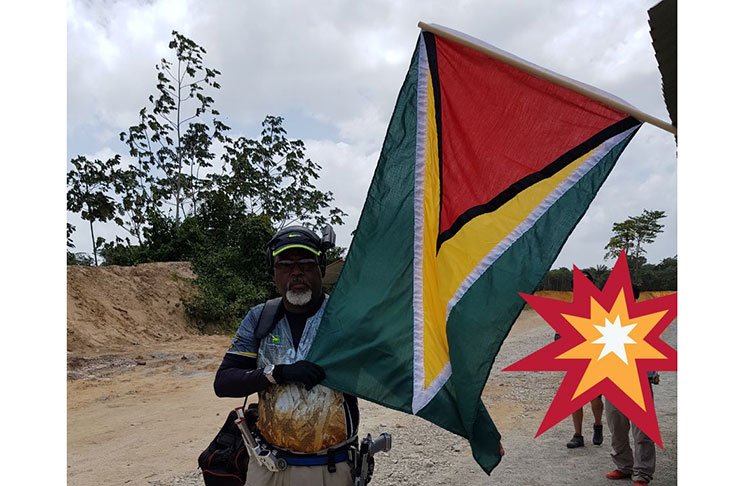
column 306, row 424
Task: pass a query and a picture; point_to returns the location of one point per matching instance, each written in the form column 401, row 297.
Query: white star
column 614, row 337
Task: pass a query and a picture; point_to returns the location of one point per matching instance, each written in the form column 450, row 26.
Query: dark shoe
column 576, row 441
column 616, row 474
column 597, row 437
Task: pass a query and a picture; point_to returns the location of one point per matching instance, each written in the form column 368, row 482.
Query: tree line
column 631, row 235
column 659, row 276
column 190, row 190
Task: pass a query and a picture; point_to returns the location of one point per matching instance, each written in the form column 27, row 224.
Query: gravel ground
column 426, row 455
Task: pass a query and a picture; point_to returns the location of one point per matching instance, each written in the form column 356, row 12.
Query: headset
column 324, row 243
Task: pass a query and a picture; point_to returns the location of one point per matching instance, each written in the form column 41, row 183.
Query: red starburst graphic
column 609, row 343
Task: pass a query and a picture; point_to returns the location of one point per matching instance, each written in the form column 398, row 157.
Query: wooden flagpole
column 550, row 76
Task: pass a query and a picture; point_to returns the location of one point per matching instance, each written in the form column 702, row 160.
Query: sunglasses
column 305, row 265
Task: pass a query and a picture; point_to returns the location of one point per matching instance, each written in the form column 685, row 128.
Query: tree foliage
column 560, row 279
column 599, row 274
column 633, row 235
column 70, row 230
column 272, row 176
column 232, row 274
column 79, row 259
column 172, row 143
column 660, row 276
column 88, row 186
column 335, row 253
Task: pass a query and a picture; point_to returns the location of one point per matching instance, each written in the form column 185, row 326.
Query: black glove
column 304, row 372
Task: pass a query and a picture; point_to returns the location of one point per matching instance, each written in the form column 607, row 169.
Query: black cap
column 295, row 237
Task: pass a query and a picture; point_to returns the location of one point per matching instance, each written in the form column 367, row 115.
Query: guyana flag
column 484, row 173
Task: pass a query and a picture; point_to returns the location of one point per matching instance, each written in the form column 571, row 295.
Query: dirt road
column 146, row 423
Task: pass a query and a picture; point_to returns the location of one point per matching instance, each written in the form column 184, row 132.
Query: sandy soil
column 118, row 308
column 139, row 414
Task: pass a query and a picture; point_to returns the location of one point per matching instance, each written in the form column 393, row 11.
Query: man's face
column 297, row 276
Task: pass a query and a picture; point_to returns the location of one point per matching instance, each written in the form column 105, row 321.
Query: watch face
column 268, row 372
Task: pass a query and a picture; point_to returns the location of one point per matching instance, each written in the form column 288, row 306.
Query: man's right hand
column 304, row 372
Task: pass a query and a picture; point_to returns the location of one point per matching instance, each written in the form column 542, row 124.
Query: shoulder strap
column 271, row 313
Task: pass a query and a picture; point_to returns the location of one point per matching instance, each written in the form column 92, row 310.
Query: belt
column 330, row 457
column 297, row 460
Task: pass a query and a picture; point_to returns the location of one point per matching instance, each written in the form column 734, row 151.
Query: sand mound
column 112, row 308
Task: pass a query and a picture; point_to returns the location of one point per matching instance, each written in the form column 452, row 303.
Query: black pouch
column 224, row 462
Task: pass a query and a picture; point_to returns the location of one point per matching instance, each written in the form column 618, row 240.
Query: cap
column 295, row 237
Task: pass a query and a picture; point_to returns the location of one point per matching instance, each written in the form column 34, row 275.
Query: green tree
column 70, row 231
column 662, row 276
column 623, row 235
column 88, row 187
column 335, row 253
column 559, row 279
column 134, row 202
column 633, row 235
column 173, row 142
column 79, row 259
column 229, row 263
column 271, row 176
column 600, row 273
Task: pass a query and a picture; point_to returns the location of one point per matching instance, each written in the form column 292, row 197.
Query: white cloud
column 103, row 154
column 346, row 171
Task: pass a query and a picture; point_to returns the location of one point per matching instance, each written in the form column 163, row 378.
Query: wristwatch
column 268, row 372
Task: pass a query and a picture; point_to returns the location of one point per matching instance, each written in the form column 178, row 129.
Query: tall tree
column 633, row 235
column 173, row 142
column 271, row 176
column 88, row 187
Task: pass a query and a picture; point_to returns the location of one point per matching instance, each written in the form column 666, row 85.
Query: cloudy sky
column 333, row 71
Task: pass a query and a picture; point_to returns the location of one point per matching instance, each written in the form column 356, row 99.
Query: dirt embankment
column 112, row 309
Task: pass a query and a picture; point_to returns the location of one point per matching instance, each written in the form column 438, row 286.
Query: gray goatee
column 298, row 298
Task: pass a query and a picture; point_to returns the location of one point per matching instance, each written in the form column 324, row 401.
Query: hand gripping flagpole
column 546, row 75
